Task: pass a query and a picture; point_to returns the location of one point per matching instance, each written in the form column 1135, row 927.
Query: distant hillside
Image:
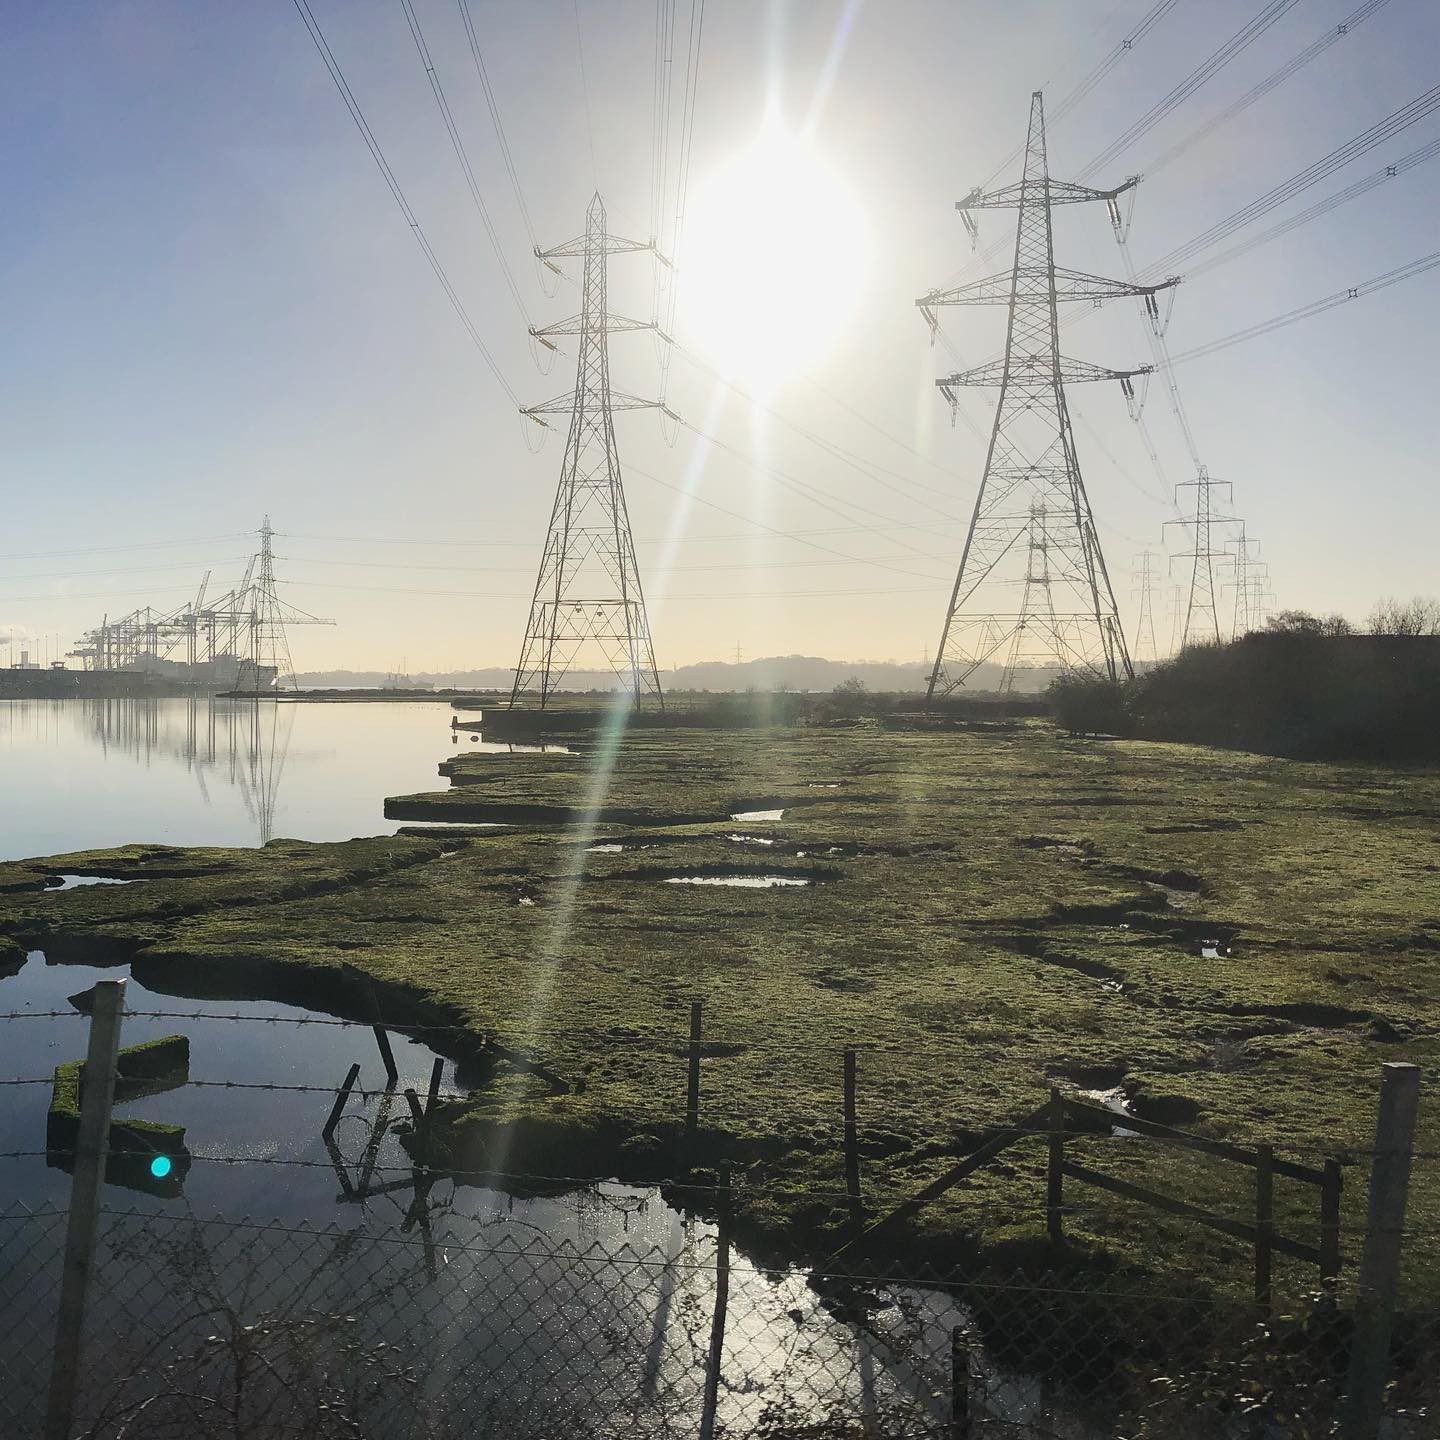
column 776, row 672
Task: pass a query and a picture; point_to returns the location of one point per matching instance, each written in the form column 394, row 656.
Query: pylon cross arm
column 1033, row 282
column 1041, row 365
column 613, row 245
column 613, row 324
column 1058, row 192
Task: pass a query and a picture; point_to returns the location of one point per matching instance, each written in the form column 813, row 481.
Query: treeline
column 1305, row 687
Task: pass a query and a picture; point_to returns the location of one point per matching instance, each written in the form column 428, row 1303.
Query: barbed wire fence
column 121, row 1323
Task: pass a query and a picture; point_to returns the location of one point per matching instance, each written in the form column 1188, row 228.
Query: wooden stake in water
column 722, row 1302
column 87, row 1184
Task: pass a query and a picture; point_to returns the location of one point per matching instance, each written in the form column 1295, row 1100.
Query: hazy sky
column 213, row 309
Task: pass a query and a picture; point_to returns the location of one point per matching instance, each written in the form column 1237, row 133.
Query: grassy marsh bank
column 989, row 914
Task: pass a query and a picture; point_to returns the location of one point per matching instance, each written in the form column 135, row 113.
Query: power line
column 373, row 145
column 1205, row 71
column 113, row 549
column 1422, row 106
column 494, row 109
column 1269, row 83
column 585, row 92
column 458, row 146
column 693, row 45
column 1315, row 307
column 1321, row 207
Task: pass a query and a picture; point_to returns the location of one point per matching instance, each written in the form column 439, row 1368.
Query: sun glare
column 775, row 249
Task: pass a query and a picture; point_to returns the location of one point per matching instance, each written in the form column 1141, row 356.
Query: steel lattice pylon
column 1032, row 587
column 268, row 663
column 588, row 596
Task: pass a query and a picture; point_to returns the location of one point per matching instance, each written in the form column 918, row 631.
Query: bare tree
column 1420, row 616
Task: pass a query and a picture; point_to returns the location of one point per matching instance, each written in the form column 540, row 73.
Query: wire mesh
column 203, row 1327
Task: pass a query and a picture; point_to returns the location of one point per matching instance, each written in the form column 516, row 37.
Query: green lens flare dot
column 160, row 1166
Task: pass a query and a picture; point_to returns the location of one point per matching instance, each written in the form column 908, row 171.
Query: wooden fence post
column 338, row 1108
column 87, row 1185
column 722, row 1302
column 959, row 1383
column 1330, row 1225
column 692, row 1099
column 387, row 1055
column 1055, row 1177
column 852, row 1148
column 1264, row 1221
column 1380, row 1263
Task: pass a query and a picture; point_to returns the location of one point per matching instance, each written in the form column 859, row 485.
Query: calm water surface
column 79, row 774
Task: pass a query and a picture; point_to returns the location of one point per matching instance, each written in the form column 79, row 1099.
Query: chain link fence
column 201, row 1327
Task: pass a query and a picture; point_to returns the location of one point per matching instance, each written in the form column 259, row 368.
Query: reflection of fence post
column 722, row 1301
column 1264, row 1221
column 87, row 1184
column 959, row 1383
column 852, row 1148
column 692, row 1098
column 1380, row 1263
column 1055, row 1178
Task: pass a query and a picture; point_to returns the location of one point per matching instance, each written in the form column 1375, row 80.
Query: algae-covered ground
column 1239, row 942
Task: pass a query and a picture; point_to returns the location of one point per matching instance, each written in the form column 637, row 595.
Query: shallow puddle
column 740, row 882
column 1113, row 1100
column 73, row 882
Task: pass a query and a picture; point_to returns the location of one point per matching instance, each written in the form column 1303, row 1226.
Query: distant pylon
column 1145, row 646
column 588, row 596
column 1031, row 497
column 1242, row 566
column 269, row 615
column 1202, row 612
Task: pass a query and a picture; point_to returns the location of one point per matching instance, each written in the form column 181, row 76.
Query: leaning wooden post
column 1055, row 1176
column 852, row 1148
column 1330, row 1225
column 87, row 1185
column 959, row 1383
column 1380, row 1262
column 387, row 1056
column 722, row 1301
column 341, row 1097
column 1264, row 1221
column 692, row 1099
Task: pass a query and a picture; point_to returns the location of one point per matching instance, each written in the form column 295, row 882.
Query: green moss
column 1010, row 910
column 149, row 1068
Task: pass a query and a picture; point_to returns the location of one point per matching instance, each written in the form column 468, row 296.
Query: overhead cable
column 373, row 145
column 504, row 143
column 1315, row 307
column 1408, row 115
column 1269, row 83
column 1208, row 68
column 458, row 146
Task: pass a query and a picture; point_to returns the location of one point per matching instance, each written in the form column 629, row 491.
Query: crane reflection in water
column 239, row 742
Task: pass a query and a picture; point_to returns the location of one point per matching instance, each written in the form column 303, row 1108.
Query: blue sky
column 213, row 310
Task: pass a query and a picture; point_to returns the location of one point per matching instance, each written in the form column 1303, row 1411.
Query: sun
column 775, row 249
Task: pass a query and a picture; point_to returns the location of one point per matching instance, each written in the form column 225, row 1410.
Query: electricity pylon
column 269, row 659
column 1243, row 564
column 1145, row 646
column 1032, row 498
column 587, row 594
column 1202, row 614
